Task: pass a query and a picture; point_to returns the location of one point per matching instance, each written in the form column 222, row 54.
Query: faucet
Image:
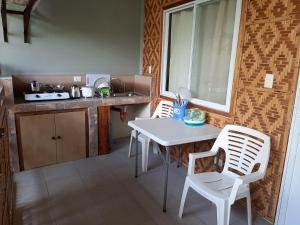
column 122, row 85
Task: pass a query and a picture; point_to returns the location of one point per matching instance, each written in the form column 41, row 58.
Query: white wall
column 73, row 36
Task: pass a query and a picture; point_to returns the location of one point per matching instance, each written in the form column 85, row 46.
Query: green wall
column 73, row 36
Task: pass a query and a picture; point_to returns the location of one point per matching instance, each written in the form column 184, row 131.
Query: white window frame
column 166, row 23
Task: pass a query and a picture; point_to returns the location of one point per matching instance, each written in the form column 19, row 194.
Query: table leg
column 179, row 157
column 167, row 163
column 136, row 152
column 217, row 160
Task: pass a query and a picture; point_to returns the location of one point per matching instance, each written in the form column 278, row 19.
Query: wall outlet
column 269, row 79
column 77, row 78
column 149, row 69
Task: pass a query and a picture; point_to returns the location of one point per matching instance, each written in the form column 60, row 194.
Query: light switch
column 77, row 78
column 149, row 69
column 269, row 81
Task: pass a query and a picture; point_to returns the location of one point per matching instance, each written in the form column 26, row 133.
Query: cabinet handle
column 59, row 137
column 53, row 138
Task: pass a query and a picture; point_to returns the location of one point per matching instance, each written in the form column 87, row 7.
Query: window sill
column 208, row 110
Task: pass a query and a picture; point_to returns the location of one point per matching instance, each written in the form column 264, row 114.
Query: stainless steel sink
column 124, row 94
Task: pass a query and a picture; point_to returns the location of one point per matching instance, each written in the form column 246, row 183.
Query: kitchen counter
column 22, row 106
column 91, row 104
column 97, row 108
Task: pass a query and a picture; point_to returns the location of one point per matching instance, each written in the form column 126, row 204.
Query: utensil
column 58, row 87
column 185, row 93
column 87, row 92
column 75, row 91
column 179, row 100
column 35, row 86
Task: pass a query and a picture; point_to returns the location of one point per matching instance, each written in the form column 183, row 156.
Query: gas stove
column 46, row 96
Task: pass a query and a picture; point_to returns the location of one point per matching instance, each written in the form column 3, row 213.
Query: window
column 199, row 51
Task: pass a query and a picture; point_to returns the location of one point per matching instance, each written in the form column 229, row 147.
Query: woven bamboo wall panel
column 294, row 6
column 168, row 3
column 266, row 9
column 151, row 55
column 264, row 111
column 201, row 165
column 271, row 9
column 152, row 20
column 152, row 41
column 219, row 120
column 270, row 48
column 268, row 112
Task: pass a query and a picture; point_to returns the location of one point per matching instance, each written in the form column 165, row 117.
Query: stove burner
column 40, row 96
column 55, row 91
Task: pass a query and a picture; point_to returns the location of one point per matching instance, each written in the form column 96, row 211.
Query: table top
column 170, row 132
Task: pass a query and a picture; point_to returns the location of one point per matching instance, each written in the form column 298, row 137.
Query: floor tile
column 30, row 177
column 103, row 190
column 63, row 170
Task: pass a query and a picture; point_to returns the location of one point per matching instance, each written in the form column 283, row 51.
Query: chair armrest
column 199, row 155
column 243, row 180
column 247, row 179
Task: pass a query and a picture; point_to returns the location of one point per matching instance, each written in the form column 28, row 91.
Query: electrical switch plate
column 269, row 79
column 149, row 69
column 77, row 78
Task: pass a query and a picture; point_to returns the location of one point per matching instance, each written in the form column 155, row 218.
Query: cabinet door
column 71, row 135
column 38, row 144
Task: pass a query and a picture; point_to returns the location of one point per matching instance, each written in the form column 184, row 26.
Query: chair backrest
column 163, row 110
column 244, row 148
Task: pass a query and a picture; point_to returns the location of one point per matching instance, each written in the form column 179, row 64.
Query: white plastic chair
column 163, row 110
column 244, row 148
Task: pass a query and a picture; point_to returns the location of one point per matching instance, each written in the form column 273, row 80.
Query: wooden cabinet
column 37, row 134
column 52, row 137
column 6, row 174
column 71, row 136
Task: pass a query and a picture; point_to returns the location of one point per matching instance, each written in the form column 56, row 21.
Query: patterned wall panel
column 270, row 48
column 152, row 51
column 268, row 112
column 152, row 20
column 294, row 8
column 168, row 3
column 219, row 120
column 152, row 41
column 266, row 9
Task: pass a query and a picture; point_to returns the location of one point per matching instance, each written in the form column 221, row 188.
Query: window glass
column 180, row 40
column 212, row 50
column 199, row 51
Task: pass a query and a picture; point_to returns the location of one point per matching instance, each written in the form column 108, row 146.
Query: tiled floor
column 102, row 190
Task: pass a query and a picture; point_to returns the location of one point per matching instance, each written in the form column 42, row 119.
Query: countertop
column 20, row 105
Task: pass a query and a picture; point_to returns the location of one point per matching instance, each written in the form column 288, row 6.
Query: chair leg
column 183, row 198
column 155, row 148
column 145, row 153
column 223, row 213
column 130, row 146
column 249, row 209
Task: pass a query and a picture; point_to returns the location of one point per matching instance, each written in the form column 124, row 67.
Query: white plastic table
column 169, row 132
